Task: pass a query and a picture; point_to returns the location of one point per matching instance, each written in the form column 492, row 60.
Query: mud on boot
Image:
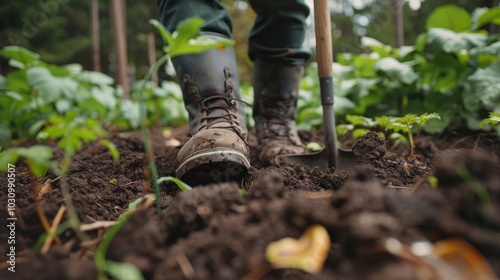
column 276, row 88
column 217, row 151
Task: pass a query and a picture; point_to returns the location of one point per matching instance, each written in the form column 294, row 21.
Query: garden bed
column 214, row 232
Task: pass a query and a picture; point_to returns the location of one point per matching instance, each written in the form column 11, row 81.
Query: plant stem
column 410, row 137
column 147, row 140
column 100, row 254
column 72, row 215
column 419, row 128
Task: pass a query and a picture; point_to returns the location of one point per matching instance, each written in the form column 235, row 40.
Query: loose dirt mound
column 214, row 232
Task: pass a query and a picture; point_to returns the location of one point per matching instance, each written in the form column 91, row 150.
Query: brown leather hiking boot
column 276, row 89
column 217, row 151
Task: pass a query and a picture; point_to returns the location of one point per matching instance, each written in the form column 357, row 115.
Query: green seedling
column 360, row 125
column 406, row 123
column 182, row 186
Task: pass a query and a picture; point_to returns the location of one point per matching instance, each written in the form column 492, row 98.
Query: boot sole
column 217, row 165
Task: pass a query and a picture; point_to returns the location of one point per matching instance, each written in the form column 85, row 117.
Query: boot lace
column 276, row 124
column 218, row 110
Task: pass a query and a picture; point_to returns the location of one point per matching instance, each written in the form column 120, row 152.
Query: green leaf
column 450, row 41
column 63, row 105
column 96, row 78
column 105, row 95
column 396, row 70
column 314, row 147
column 183, row 186
column 482, row 16
column 133, row 205
column 360, row 121
column 376, row 46
column 5, row 134
column 384, row 121
column 21, row 56
column 185, row 41
column 424, row 118
column 131, row 112
column 115, row 154
column 123, row 271
column 421, row 42
column 38, row 158
column 188, row 29
column 485, row 84
column 51, row 88
column 407, row 119
column 449, row 17
column 359, row 132
column 494, row 119
column 7, row 157
column 163, row 31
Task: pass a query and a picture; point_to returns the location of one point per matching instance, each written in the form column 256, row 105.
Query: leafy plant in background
column 388, row 127
column 453, row 69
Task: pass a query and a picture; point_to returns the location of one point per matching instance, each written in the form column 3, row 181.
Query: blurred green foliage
column 453, row 72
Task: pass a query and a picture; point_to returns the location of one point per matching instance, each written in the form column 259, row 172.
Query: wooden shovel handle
column 323, row 30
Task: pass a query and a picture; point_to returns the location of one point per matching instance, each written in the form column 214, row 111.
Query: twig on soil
column 42, row 217
column 52, row 230
column 186, row 267
column 97, row 225
column 90, row 218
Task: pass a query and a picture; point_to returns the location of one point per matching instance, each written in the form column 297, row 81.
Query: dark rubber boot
column 276, row 89
column 217, row 151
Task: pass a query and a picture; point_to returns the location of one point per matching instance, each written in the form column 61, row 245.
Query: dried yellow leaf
column 308, row 253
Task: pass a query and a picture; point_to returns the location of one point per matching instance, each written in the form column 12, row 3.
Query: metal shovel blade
column 319, row 159
column 330, row 156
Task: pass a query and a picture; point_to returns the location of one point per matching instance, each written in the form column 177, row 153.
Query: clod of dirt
column 192, row 210
column 297, row 177
column 369, row 148
column 137, row 241
column 470, row 180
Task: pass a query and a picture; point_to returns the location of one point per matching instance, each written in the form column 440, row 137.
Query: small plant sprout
column 494, row 119
column 360, row 125
column 406, row 123
column 183, row 186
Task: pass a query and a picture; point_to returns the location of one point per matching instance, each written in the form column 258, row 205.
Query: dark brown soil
column 214, row 232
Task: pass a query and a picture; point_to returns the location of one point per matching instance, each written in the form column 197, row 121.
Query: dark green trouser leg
column 217, row 19
column 279, row 31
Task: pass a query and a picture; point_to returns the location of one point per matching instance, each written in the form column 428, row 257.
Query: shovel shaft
column 324, row 57
column 323, row 31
